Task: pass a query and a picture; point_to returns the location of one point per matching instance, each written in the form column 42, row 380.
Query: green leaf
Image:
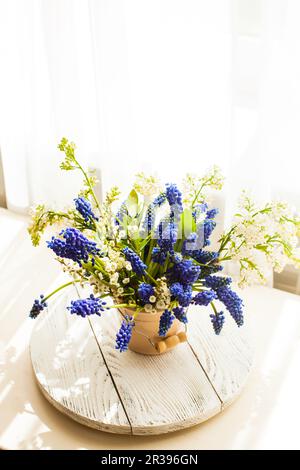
column 132, row 203
column 188, row 224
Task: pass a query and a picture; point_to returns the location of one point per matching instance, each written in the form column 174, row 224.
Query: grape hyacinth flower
column 174, row 198
column 208, row 227
column 205, row 297
column 190, row 247
column 165, row 322
column 145, row 291
column 210, row 269
column 182, row 293
column 204, row 257
column 84, row 207
column 215, row 282
column 124, row 334
column 149, row 221
column 137, row 264
column 212, row 213
column 75, row 246
column 90, row 306
column 173, row 195
column 121, row 213
column 180, row 314
column 38, row 306
column 158, row 255
column 167, row 237
column 233, row 303
column 217, row 320
column 185, row 272
column 159, row 200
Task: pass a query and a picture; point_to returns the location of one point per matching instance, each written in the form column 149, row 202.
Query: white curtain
column 166, row 86
column 137, row 84
column 266, row 99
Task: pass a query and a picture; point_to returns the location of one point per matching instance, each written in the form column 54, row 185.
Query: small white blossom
column 152, row 299
column 147, row 185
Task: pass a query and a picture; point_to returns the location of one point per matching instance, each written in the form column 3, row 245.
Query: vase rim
column 142, row 316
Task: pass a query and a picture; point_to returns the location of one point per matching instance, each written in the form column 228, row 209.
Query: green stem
column 122, row 306
column 151, row 278
column 214, row 308
column 151, row 246
column 197, row 194
column 89, row 185
column 60, row 288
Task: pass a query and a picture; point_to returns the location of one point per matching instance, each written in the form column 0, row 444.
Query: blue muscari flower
column 182, row 293
column 205, row 297
column 158, row 255
column 174, row 198
column 184, row 272
column 74, row 246
column 121, row 213
column 205, row 257
column 124, row 334
column 167, row 236
column 176, row 257
column 204, row 231
column 173, row 195
column 145, row 291
column 214, row 282
column 90, row 306
column 189, row 244
column 210, row 269
column 211, row 214
column 233, row 303
column 137, row 264
column 38, row 306
column 180, row 314
column 165, row 322
column 217, row 321
column 190, row 248
column 84, row 207
column 159, row 200
column 149, row 220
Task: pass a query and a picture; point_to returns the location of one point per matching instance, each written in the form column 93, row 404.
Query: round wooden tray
column 79, row 371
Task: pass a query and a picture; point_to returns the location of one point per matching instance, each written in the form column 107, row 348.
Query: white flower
column 128, row 266
column 160, row 305
column 114, row 278
column 148, row 308
column 152, row 298
column 126, row 280
column 147, row 185
column 262, row 239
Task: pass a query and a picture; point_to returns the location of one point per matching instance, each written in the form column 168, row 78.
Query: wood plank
column 160, row 393
column 70, row 369
column 226, row 358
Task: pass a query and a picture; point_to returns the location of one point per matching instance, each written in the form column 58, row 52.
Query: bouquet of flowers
column 151, row 252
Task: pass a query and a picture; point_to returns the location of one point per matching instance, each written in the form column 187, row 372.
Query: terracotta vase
column 145, row 338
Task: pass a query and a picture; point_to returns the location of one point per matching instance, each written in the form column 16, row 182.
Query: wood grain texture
column 82, row 374
column 160, row 393
column 226, row 358
column 70, row 369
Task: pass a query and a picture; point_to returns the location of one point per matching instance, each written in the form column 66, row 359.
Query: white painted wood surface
column 82, row 374
column 264, row 416
column 70, row 369
column 227, row 358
